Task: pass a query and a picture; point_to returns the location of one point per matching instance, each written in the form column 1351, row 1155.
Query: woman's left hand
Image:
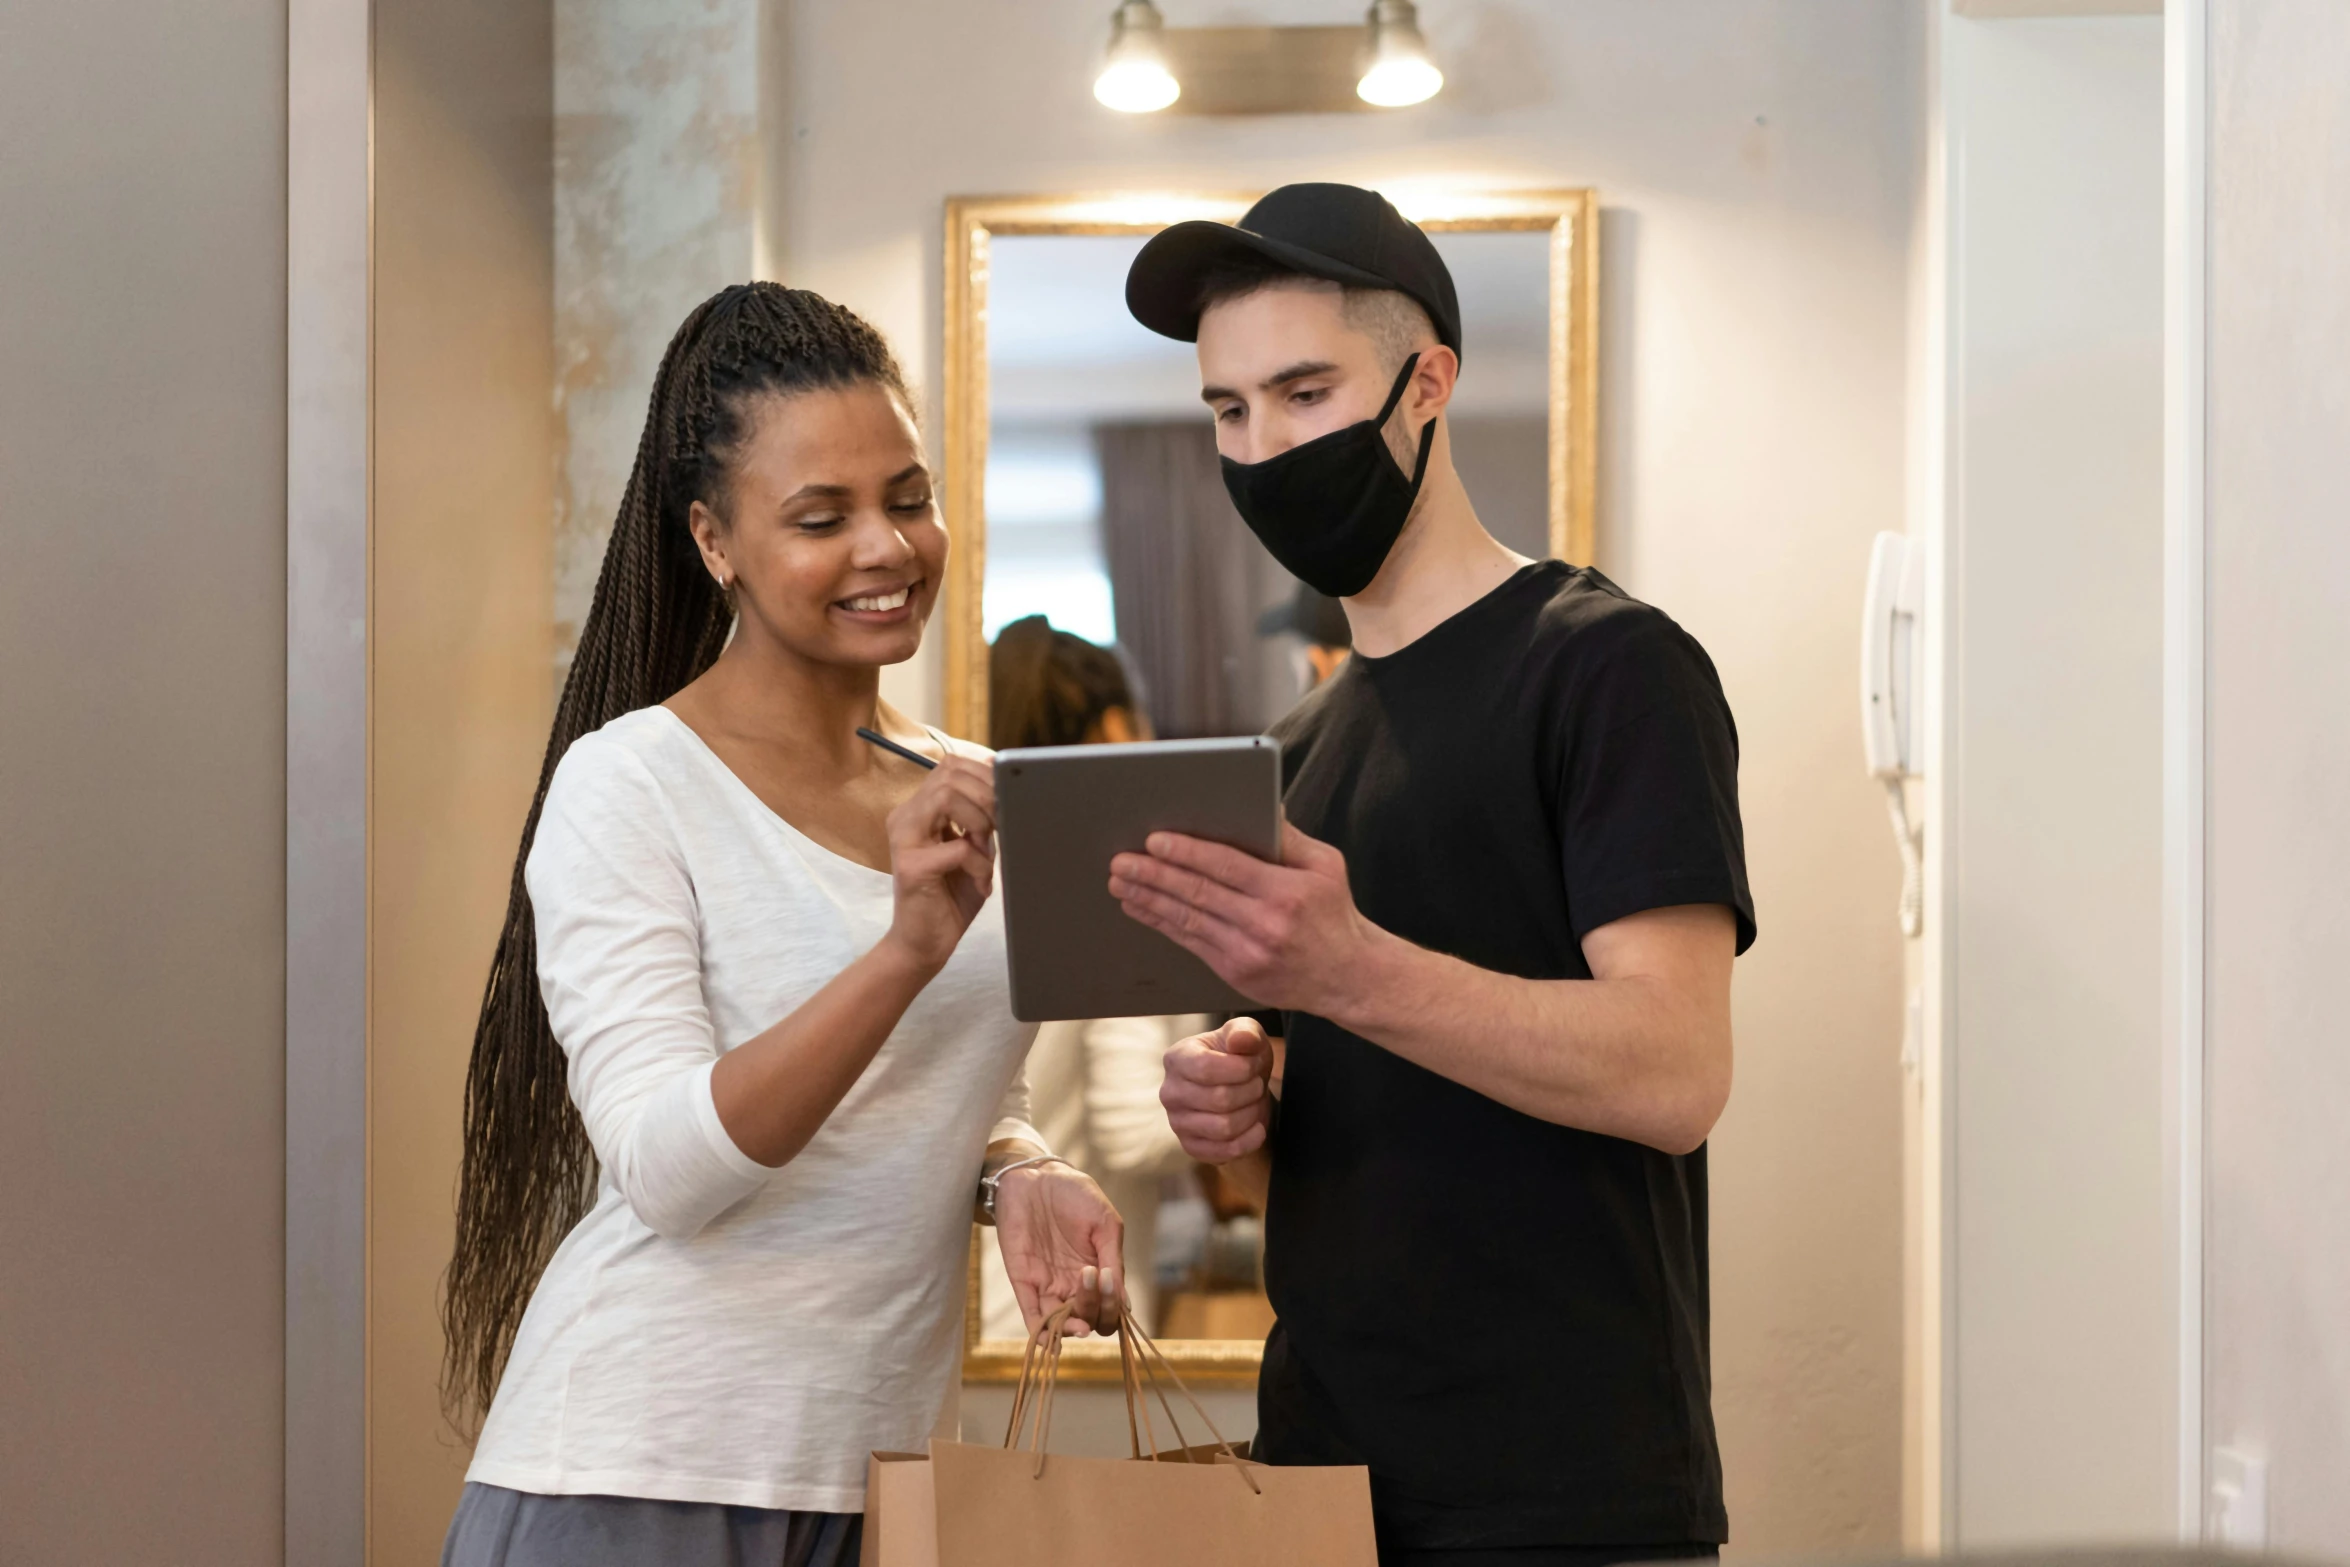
column 1061, row 1242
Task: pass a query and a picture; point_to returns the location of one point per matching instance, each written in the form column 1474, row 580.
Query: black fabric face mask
column 1329, row 510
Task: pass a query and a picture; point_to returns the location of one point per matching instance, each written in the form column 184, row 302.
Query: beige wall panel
column 142, row 782
column 462, row 568
column 2063, row 1339
column 2278, row 1246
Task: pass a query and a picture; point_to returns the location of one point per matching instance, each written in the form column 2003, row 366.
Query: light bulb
column 1393, row 84
column 1135, row 86
column 1401, row 72
column 1135, row 78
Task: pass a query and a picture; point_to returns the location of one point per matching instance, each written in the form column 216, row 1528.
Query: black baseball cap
column 1340, row 232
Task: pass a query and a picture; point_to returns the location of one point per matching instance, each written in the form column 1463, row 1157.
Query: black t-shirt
column 1504, row 1318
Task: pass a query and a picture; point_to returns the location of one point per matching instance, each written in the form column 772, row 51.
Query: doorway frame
column 329, row 421
column 2186, row 759
column 2184, row 748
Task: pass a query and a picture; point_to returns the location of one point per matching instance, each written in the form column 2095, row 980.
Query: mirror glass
column 1105, row 508
column 1105, row 513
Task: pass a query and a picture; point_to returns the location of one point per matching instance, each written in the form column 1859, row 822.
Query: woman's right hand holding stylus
column 942, row 857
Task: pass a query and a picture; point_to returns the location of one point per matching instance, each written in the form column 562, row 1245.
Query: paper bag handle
column 1040, row 1375
column 1137, row 1350
column 1040, row 1369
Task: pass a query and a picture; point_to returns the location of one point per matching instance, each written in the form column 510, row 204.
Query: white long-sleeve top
column 715, row 1330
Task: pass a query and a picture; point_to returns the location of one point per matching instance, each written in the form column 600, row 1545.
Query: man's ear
column 1433, row 379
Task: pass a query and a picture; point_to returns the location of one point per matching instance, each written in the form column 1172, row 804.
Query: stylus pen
column 887, row 744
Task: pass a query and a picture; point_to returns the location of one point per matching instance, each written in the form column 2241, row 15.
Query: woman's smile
column 883, row 608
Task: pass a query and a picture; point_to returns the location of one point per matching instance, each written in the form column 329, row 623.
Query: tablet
column 1062, row 812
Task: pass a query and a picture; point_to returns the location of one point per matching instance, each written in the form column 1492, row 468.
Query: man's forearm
column 1640, row 1056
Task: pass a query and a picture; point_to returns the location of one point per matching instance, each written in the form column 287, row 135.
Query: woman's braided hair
column 657, row 622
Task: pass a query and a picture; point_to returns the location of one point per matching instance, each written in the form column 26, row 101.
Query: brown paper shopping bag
column 1018, row 1505
column 901, row 1517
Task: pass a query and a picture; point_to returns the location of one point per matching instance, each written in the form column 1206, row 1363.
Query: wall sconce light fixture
column 1381, row 64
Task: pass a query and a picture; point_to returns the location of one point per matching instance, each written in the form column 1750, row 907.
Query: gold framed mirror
column 1084, row 417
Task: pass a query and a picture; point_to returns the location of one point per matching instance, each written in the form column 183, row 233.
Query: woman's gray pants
column 495, row 1527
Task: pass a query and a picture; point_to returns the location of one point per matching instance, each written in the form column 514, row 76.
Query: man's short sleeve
column 1648, row 783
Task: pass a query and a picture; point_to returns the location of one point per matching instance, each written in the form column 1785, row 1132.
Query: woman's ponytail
column 656, row 623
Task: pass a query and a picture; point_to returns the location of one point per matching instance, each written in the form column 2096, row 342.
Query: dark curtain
column 1187, row 577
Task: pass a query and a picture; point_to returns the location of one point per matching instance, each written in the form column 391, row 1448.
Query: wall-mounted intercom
column 1892, row 703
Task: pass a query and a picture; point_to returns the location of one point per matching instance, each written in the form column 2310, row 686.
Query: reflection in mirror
column 1106, row 510
column 1123, row 598
column 1094, row 1085
column 1107, row 518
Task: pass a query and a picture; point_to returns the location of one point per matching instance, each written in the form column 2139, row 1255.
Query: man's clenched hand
column 1217, row 1091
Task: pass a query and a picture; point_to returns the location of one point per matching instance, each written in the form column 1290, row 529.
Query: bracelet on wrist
column 989, row 1182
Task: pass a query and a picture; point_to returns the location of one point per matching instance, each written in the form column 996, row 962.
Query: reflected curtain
column 1187, row 577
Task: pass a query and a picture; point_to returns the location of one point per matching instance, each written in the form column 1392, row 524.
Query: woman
column 775, row 985
column 1095, row 1084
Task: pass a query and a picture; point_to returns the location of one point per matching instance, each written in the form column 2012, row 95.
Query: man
column 1500, row 942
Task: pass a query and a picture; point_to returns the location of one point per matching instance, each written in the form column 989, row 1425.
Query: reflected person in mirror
column 1318, row 621
column 1093, row 1083
column 1496, row 951
column 746, row 1066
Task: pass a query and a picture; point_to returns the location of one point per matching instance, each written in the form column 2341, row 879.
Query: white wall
column 2278, row 1054
column 1754, row 159
column 2050, row 827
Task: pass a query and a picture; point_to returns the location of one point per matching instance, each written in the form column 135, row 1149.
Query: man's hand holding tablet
column 1284, row 935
